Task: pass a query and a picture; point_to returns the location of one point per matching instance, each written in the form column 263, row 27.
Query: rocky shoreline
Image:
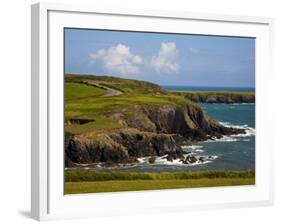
column 218, row 97
column 152, row 131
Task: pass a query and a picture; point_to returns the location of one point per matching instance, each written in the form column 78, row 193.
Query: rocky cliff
column 115, row 120
column 219, row 97
column 150, row 130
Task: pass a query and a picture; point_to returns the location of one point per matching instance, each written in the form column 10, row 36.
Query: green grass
column 84, row 101
column 100, row 123
column 88, row 181
column 101, row 104
column 97, row 108
column 137, row 185
column 78, row 90
column 74, row 175
column 125, row 85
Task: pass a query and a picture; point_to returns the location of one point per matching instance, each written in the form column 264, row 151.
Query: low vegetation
column 109, row 119
column 90, row 175
column 217, row 96
column 74, row 91
column 85, row 101
column 94, row 182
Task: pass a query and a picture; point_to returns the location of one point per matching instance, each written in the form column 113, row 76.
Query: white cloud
column 165, row 61
column 118, row 59
column 194, row 50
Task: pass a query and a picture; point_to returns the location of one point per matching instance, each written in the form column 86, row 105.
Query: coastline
column 198, row 155
column 227, row 97
column 150, row 130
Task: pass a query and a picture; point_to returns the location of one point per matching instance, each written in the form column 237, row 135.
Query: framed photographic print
column 148, row 111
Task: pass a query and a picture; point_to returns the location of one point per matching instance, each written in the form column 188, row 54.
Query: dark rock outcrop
column 217, row 97
column 154, row 130
column 188, row 121
column 120, row 147
column 78, row 121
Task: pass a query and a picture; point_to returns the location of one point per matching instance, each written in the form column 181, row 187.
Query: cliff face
column 152, row 130
column 188, row 121
column 217, row 97
column 121, row 147
column 115, row 120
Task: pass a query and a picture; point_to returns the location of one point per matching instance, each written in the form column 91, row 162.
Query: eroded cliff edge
column 148, row 130
column 218, row 96
column 115, row 120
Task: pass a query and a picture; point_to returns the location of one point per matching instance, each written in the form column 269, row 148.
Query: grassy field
column 90, row 110
column 83, row 101
column 77, row 175
column 75, row 91
column 137, row 185
column 81, row 181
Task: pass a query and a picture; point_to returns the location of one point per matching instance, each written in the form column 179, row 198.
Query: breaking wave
column 192, row 148
column 234, row 138
column 162, row 160
column 249, row 130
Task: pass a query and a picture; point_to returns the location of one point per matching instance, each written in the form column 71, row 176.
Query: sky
column 165, row 59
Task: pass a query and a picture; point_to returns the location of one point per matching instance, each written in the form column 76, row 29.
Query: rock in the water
column 154, row 130
column 201, row 159
column 169, row 158
column 190, row 159
column 152, row 159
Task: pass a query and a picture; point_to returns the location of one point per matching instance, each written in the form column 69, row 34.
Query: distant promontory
column 217, row 96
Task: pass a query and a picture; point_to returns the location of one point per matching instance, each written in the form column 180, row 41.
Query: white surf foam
column 223, row 139
column 192, row 147
column 249, row 130
column 162, row 160
column 143, row 159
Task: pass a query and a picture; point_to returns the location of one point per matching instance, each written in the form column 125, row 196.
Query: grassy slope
column 83, row 101
column 90, row 175
column 137, row 185
column 74, row 91
column 81, row 181
column 88, row 102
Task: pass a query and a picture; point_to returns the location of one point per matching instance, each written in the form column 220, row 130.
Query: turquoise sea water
column 229, row 153
column 235, row 152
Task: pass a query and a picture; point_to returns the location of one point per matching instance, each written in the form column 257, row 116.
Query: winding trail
column 109, row 91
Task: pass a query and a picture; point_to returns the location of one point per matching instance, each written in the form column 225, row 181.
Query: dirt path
column 109, row 91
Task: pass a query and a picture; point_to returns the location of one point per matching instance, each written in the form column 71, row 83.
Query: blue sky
column 165, row 59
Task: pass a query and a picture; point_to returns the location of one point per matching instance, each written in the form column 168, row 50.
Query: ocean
column 233, row 153
column 230, row 153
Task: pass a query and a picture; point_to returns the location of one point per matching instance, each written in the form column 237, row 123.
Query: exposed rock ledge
column 219, row 97
column 153, row 130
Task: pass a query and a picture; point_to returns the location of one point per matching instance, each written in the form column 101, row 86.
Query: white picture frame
column 47, row 198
